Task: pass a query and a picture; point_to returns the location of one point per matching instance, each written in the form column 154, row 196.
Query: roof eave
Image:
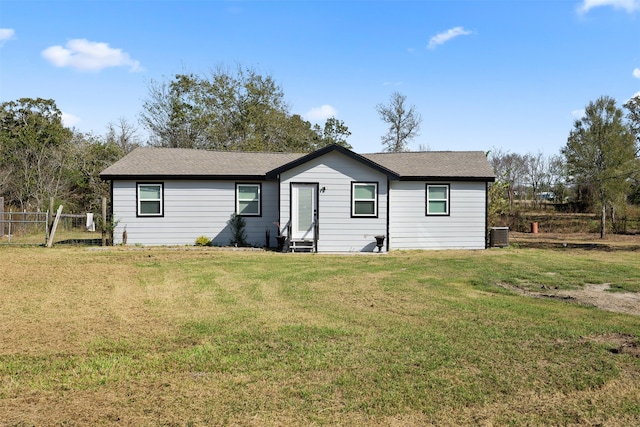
column 164, row 177
column 449, row 178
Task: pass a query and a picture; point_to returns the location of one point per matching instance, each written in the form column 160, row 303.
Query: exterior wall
column 191, row 209
column 337, row 230
column 464, row 228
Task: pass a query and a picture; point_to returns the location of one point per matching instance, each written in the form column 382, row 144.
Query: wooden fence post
column 51, row 217
column 55, row 225
column 2, row 226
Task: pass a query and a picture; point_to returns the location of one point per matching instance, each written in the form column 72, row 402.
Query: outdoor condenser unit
column 499, row 237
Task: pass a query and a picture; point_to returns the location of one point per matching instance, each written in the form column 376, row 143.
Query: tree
column 228, row 110
column 88, row 156
column 334, row 132
column 123, row 134
column 633, row 116
column 557, row 172
column 601, row 151
column 510, row 169
column 536, row 170
column 34, row 148
column 404, row 123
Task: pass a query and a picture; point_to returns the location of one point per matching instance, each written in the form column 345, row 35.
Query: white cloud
column 322, row 113
column 636, row 73
column 445, row 36
column 628, row 5
column 6, row 34
column 69, row 120
column 86, row 55
column 578, row 114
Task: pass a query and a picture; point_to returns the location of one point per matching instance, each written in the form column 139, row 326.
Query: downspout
column 279, row 216
column 316, row 215
column 486, row 214
column 388, row 210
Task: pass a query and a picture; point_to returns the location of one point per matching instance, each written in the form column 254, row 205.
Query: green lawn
column 194, row 337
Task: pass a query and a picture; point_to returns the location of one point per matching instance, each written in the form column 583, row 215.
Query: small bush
column 203, row 241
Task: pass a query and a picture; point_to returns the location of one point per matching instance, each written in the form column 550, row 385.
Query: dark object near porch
column 281, row 240
column 379, row 242
column 499, row 237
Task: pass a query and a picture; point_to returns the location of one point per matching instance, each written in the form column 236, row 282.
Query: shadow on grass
column 79, row 242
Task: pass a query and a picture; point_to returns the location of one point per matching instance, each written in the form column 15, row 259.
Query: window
column 248, row 199
column 437, row 199
column 364, row 199
column 150, row 200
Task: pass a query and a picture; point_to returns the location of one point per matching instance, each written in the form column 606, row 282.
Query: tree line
column 598, row 170
column 226, row 109
column 241, row 109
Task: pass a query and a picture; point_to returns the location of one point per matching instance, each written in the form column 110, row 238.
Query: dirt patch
column 618, row 343
column 595, row 295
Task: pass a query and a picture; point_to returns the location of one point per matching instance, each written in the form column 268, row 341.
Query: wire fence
column 33, row 228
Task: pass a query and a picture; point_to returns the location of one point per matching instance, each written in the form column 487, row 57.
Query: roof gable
column 328, row 149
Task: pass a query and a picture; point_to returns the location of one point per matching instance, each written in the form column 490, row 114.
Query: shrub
column 203, row 241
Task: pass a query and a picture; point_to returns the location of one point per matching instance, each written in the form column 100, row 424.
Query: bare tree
column 404, row 123
column 123, row 134
column 510, row 167
column 536, row 170
column 557, row 177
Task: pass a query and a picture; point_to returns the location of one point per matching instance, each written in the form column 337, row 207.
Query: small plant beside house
column 238, row 232
column 203, row 241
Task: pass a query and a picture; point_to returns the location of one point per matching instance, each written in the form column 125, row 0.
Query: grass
column 182, row 336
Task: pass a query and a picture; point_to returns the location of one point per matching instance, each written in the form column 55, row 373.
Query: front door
column 303, row 211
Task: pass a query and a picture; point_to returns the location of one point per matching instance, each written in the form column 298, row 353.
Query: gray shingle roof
column 434, row 164
column 156, row 162
column 147, row 162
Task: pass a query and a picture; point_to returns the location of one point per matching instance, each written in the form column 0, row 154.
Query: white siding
column 410, row 228
column 337, row 230
column 191, row 209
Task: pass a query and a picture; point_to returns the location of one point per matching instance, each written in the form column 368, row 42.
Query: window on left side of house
column 248, row 199
column 150, row 197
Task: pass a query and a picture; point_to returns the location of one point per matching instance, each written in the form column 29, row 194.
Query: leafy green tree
column 34, row 148
column 403, row 122
column 633, row 116
column 333, row 132
column 601, row 151
column 88, row 156
column 227, row 110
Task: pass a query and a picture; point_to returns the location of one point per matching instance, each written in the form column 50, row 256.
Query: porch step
column 302, row 246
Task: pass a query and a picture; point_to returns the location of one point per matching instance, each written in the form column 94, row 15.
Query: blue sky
column 483, row 74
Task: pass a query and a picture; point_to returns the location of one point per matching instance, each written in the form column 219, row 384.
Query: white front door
column 303, row 211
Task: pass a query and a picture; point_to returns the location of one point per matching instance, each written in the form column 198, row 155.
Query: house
column 329, row 200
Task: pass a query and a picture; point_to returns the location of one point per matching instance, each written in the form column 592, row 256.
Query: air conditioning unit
column 499, row 237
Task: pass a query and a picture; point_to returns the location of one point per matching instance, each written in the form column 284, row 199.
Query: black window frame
column 237, row 200
column 447, row 200
column 139, row 201
column 376, row 201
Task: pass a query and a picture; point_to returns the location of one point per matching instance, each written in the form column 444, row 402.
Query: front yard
column 186, row 336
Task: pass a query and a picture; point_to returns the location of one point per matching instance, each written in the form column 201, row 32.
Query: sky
column 508, row 75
